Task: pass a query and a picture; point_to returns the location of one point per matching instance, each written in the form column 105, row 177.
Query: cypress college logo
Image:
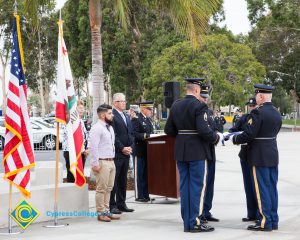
column 24, row 214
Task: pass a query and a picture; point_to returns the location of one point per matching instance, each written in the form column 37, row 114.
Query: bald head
column 193, row 89
column 261, row 98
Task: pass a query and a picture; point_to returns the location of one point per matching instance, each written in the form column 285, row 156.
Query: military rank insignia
column 250, row 121
column 205, row 117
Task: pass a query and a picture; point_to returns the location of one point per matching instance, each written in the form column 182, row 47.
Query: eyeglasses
column 150, row 109
column 122, row 101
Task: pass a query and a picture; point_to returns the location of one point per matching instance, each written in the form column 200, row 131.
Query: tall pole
column 56, row 225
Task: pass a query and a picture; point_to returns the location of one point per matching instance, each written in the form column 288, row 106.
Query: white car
column 44, row 134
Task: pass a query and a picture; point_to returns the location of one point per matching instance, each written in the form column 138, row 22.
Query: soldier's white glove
column 226, row 135
column 221, row 139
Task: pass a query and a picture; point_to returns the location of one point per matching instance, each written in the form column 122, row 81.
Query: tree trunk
column 43, row 109
column 2, row 78
column 48, row 106
column 97, row 62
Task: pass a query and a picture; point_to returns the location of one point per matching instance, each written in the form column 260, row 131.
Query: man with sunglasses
column 142, row 128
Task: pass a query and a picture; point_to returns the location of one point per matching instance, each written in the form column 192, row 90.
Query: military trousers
column 141, row 178
column 209, row 195
column 192, row 191
column 251, row 201
column 265, row 182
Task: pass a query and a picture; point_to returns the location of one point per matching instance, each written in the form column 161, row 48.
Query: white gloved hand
column 221, row 139
column 226, row 135
column 231, row 138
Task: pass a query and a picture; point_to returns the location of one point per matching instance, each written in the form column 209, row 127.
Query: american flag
column 18, row 149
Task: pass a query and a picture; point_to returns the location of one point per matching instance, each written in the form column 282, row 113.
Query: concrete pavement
column 161, row 220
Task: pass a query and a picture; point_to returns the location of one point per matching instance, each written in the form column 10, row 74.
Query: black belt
column 189, row 132
column 106, row 159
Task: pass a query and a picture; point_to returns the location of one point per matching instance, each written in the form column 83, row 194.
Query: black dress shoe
column 258, row 228
column 275, row 227
column 202, row 228
column 247, row 219
column 203, row 220
column 125, row 209
column 212, row 219
column 141, row 200
column 115, row 211
column 150, row 199
column 186, row 230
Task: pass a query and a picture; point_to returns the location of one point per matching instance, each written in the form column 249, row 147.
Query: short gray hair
column 117, row 96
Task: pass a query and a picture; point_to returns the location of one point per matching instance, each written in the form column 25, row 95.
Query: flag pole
column 10, row 231
column 56, row 225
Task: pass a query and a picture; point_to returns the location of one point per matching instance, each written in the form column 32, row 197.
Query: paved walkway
column 161, row 220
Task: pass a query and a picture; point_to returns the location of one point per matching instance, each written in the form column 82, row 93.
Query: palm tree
column 190, row 18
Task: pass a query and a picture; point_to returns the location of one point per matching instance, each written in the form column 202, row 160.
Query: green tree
column 189, row 17
column 229, row 67
column 275, row 42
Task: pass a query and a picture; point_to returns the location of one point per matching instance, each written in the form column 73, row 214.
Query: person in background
column 65, row 147
column 220, row 121
column 142, row 128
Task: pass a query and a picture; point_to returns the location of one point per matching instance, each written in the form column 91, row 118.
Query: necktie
column 124, row 118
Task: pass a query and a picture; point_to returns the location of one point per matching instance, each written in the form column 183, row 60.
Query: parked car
column 43, row 134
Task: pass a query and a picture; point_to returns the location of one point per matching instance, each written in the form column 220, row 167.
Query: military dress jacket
column 188, row 122
column 142, row 127
column 260, row 133
column 241, row 125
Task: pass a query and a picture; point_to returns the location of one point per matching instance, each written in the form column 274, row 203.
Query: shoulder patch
column 250, row 121
column 205, row 116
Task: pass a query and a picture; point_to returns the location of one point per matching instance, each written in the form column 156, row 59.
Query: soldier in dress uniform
column 188, row 122
column 142, row 128
column 260, row 134
column 211, row 166
column 220, row 121
column 252, row 208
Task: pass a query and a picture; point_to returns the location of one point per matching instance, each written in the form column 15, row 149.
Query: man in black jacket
column 260, row 134
column 142, row 128
column 188, row 122
column 123, row 146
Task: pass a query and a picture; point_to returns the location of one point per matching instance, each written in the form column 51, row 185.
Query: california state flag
column 66, row 110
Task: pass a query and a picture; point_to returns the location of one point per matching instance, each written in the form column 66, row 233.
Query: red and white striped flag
column 18, row 149
column 66, row 110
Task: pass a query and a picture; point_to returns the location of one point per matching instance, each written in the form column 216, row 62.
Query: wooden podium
column 163, row 177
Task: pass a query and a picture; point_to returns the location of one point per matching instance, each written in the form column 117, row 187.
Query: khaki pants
column 104, row 183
